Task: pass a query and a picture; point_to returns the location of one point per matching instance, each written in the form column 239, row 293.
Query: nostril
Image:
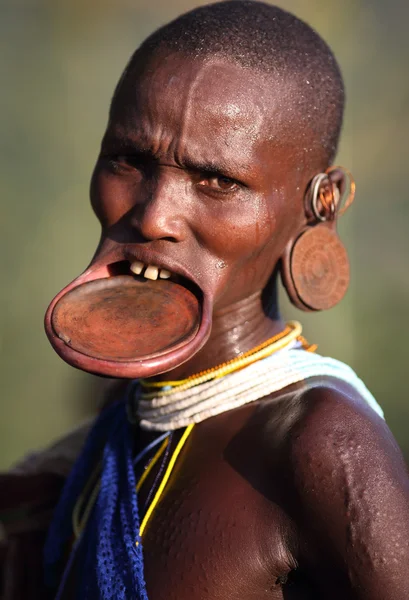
column 169, row 239
column 157, row 219
column 154, row 230
column 159, row 229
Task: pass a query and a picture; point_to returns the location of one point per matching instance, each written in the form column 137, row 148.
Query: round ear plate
column 319, row 268
column 124, row 318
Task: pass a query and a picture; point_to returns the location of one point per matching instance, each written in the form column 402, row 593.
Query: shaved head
column 306, row 84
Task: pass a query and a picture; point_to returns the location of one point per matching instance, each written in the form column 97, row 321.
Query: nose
column 162, row 213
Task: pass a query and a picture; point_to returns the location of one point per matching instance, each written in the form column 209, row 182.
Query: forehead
column 207, row 108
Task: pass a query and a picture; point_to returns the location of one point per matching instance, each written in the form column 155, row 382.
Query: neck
column 235, row 329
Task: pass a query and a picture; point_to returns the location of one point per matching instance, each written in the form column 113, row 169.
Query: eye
column 219, row 183
column 122, row 160
column 125, row 163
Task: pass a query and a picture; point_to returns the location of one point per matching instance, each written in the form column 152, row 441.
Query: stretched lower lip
column 153, row 363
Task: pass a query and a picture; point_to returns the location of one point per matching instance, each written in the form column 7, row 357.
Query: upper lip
column 148, row 257
column 108, row 254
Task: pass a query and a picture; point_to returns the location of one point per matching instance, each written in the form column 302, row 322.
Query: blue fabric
column 109, row 563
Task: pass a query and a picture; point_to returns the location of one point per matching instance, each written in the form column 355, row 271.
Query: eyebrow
column 205, row 166
column 145, row 152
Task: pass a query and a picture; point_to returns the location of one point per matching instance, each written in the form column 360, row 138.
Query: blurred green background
column 60, row 62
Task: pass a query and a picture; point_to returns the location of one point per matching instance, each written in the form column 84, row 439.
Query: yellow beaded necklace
column 85, row 506
column 291, row 332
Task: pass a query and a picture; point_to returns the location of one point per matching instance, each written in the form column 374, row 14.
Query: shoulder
column 337, row 442
column 349, row 477
column 336, row 426
column 320, row 415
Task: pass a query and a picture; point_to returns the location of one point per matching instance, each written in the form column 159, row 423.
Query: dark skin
column 303, row 494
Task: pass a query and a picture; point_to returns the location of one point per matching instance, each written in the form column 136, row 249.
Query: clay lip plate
column 127, row 326
column 126, row 318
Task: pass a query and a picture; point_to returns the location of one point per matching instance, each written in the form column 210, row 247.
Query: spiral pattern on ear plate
column 319, row 268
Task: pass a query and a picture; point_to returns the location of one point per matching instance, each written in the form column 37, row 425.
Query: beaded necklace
column 88, row 497
column 92, row 489
column 291, row 332
column 170, row 405
column 79, row 524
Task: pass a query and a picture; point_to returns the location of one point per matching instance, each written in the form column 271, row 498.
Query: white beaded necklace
column 285, row 367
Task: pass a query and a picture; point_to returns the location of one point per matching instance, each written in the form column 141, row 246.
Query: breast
column 213, row 535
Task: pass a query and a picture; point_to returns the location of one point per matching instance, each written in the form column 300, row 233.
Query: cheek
column 110, row 197
column 238, row 232
column 248, row 240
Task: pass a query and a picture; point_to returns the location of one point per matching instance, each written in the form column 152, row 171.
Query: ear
column 314, row 266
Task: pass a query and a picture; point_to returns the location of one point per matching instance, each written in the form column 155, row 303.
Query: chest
column 214, row 534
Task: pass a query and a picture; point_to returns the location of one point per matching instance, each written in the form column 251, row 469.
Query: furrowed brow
column 235, row 171
column 126, row 144
column 134, row 146
column 204, row 166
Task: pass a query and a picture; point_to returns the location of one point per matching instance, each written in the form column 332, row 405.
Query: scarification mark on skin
column 230, row 111
column 188, row 108
column 375, row 535
column 357, row 509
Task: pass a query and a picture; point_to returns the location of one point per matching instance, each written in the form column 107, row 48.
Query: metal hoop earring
column 315, row 267
column 315, row 189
